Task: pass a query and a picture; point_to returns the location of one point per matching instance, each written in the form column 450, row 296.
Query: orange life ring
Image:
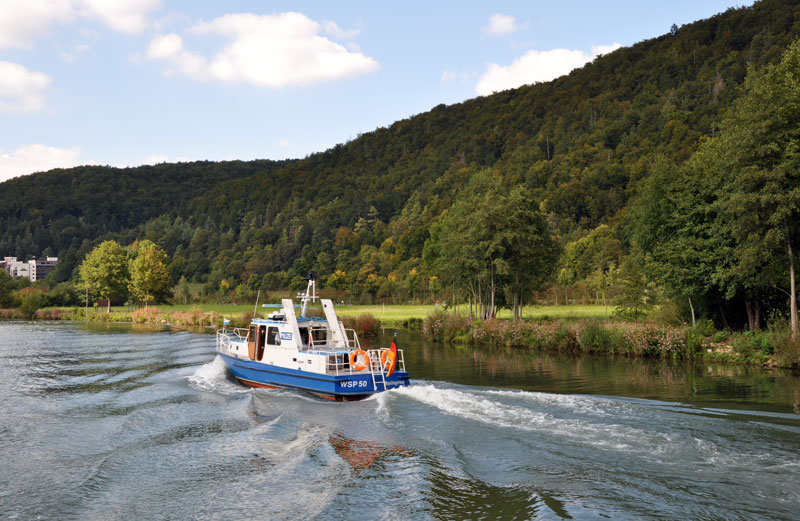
column 355, row 364
column 387, row 359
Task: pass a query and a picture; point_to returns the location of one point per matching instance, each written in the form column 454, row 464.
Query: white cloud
column 37, row 158
column 284, row 143
column 155, row 159
column 451, row 76
column 500, row 24
column 448, row 76
column 127, row 16
column 598, row 50
column 266, row 50
column 21, row 90
column 23, row 21
column 334, row 30
column 168, row 46
column 152, row 160
column 536, row 66
column 71, row 57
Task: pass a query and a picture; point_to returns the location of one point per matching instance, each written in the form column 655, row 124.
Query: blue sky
column 131, row 82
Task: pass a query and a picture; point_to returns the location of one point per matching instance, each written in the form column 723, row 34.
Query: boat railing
column 351, row 337
column 322, row 342
column 226, row 336
column 339, row 364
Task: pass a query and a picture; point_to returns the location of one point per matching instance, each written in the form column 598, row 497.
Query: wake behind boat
column 315, row 354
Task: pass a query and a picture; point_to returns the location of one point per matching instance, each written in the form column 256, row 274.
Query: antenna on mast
column 310, row 294
column 255, row 308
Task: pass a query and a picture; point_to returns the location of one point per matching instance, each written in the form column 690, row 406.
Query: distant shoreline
column 569, row 329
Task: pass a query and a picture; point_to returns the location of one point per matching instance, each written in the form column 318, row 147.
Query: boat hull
column 345, row 387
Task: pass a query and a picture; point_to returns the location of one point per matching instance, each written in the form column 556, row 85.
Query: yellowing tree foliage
column 150, row 280
column 104, row 271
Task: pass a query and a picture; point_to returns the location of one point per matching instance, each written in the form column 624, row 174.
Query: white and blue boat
column 314, row 354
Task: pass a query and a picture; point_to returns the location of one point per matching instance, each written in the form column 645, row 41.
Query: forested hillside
column 54, row 212
column 579, row 149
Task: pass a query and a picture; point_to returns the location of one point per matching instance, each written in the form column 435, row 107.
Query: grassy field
column 395, row 315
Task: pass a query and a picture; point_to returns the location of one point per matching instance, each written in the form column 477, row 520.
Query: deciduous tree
column 149, row 280
column 104, row 271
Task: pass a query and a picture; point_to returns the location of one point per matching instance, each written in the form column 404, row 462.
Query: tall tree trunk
column 472, row 301
column 757, row 313
column 793, row 290
column 108, row 304
column 691, row 307
column 491, row 308
column 750, row 320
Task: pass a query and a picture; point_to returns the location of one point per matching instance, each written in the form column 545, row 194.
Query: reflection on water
column 711, row 384
column 114, row 422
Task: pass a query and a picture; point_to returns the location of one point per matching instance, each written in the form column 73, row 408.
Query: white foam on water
column 213, row 376
column 477, row 407
column 600, row 407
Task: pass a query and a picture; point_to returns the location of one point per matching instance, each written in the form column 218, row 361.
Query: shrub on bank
column 586, row 336
column 146, row 316
column 193, row 317
column 775, row 343
column 365, row 325
column 50, row 314
column 11, row 314
column 442, row 326
column 787, row 354
column 650, row 340
column 594, row 337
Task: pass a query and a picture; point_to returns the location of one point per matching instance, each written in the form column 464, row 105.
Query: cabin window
column 261, row 335
column 320, row 336
column 304, row 336
column 273, row 337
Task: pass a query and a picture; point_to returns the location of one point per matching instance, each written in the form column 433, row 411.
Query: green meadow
column 393, row 315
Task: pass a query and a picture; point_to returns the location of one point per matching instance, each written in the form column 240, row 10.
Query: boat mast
column 309, row 295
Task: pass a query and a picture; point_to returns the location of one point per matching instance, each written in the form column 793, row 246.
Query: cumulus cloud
column 275, row 51
column 334, row 30
column 155, row 159
column 127, row 16
column 21, row 90
column 599, row 50
column 70, row 57
column 22, row 22
column 500, row 24
column 535, row 66
column 451, row 76
column 37, row 158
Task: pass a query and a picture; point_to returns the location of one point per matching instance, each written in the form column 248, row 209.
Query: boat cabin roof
column 300, row 320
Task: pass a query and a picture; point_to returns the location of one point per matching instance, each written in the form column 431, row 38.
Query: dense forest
column 63, row 211
column 374, row 217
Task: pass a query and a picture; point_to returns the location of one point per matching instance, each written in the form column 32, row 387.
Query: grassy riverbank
column 772, row 347
column 578, row 329
column 390, row 315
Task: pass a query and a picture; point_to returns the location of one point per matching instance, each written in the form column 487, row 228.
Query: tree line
column 594, row 166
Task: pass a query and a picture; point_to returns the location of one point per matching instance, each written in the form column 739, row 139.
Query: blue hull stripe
column 341, row 385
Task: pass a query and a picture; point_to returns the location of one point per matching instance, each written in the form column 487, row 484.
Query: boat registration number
column 349, row 384
column 286, row 335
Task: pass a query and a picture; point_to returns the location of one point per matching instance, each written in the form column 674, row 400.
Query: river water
column 113, row 422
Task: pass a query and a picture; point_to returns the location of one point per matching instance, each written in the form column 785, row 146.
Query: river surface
column 113, row 422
